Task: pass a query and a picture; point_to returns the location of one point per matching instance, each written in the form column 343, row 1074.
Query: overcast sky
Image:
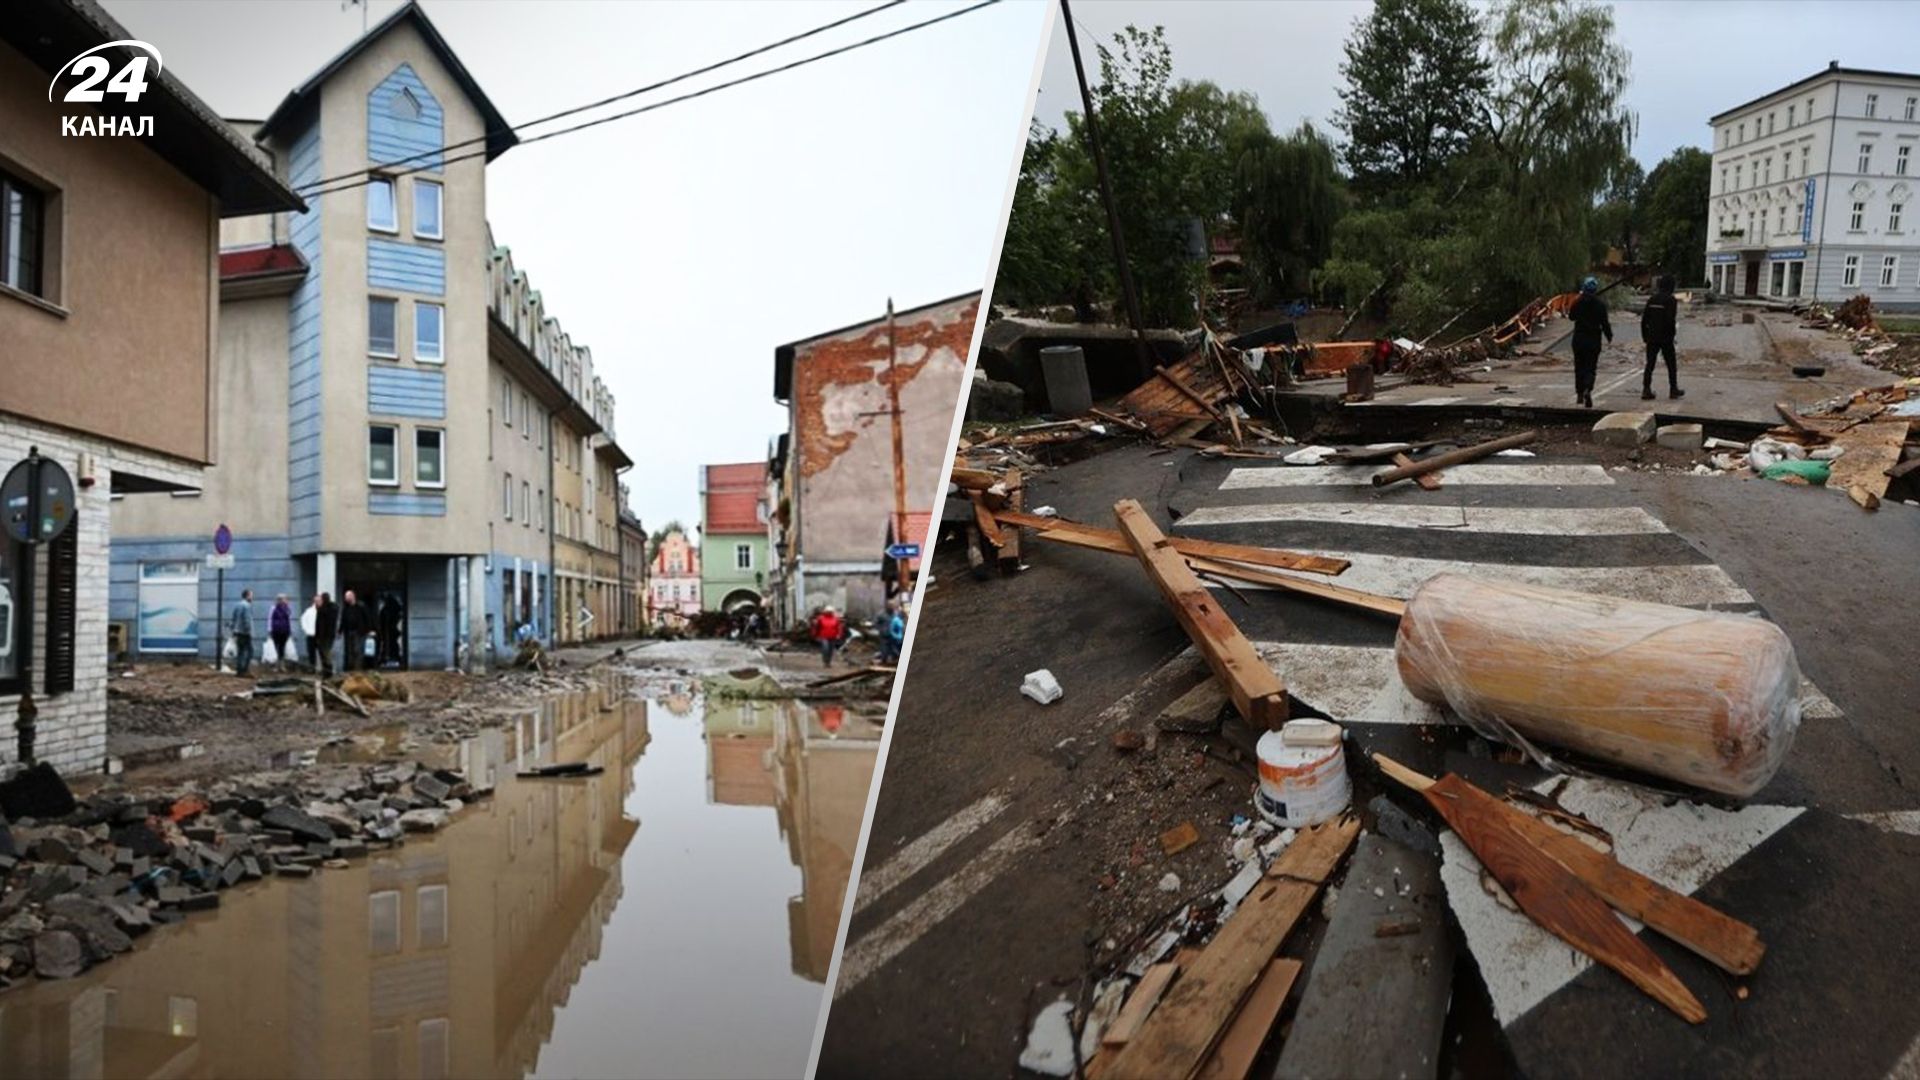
column 1690, row 59
column 683, row 245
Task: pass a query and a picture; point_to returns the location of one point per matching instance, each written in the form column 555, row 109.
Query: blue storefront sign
column 1723, row 257
column 1787, row 255
column 1806, row 215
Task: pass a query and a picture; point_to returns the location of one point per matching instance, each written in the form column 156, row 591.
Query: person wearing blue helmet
column 1590, row 325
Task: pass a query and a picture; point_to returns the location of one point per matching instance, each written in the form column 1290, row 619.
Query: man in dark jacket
column 356, row 622
column 326, row 625
column 1657, row 322
column 1590, row 324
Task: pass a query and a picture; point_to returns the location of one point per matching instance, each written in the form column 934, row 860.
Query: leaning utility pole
column 899, row 457
column 1106, row 200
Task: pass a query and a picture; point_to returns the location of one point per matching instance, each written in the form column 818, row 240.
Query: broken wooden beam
column 1187, row 545
column 1255, row 688
column 1016, row 501
column 1190, row 393
column 1179, row 1035
column 1453, row 457
column 1793, row 419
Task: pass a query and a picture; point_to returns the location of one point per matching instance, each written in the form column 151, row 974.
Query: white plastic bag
column 231, row 651
column 1042, row 687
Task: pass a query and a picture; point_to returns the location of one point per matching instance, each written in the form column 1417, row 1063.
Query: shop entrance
column 381, row 584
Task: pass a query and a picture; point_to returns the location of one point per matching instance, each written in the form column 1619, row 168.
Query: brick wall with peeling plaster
column 843, row 441
column 71, row 728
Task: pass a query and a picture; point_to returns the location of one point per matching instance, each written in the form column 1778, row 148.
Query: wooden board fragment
column 1146, row 994
column 983, row 517
column 1179, row 838
column 1869, row 451
column 1010, row 538
column 1556, row 899
column 1255, row 688
column 1179, row 1035
column 1187, row 545
column 1233, row 1058
column 1427, row 481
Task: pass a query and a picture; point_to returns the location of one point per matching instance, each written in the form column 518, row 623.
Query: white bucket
column 1300, row 785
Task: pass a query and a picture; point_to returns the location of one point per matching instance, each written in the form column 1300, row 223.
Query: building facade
column 109, row 350
column 379, row 352
column 733, row 535
column 834, row 516
column 633, row 571
column 673, row 580
column 1813, row 191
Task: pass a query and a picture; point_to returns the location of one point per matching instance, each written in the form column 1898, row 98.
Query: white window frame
column 391, row 228
column 1889, row 271
column 506, row 401
column 1912, row 104
column 1866, row 157
column 371, row 351
column 394, row 480
column 1902, row 157
column 1850, row 273
column 506, row 496
column 540, row 509
column 1873, row 105
column 1857, row 220
column 440, row 196
column 1792, row 110
column 526, row 504
column 1894, row 211
column 743, row 556
column 439, row 354
column 437, row 485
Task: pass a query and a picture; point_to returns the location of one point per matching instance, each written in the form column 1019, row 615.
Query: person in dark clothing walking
column 280, row 629
column 391, row 613
column 326, row 625
column 1590, row 324
column 240, row 625
column 1657, row 323
column 356, row 622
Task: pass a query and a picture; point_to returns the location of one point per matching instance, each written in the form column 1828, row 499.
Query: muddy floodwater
column 672, row 916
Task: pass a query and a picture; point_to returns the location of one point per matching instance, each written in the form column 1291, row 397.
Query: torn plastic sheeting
column 1706, row 699
column 1309, row 455
column 1049, row 1049
column 1813, row 472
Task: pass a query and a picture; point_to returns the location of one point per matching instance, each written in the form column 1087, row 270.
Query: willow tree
column 1288, row 197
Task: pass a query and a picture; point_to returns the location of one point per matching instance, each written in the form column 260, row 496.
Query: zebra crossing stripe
column 1516, row 520
column 1693, row 585
column 929, row 846
column 1457, row 476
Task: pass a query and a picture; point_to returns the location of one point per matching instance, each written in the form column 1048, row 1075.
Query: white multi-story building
column 1814, row 191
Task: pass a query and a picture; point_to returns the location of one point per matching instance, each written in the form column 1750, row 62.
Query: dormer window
column 404, row 105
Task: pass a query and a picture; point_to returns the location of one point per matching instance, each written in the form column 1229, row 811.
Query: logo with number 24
column 92, row 69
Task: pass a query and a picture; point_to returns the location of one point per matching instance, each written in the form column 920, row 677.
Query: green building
column 733, row 535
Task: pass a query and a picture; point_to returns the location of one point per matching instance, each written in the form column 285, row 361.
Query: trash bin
column 1064, row 368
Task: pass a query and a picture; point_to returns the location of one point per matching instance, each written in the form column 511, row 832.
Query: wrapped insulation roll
column 1703, row 698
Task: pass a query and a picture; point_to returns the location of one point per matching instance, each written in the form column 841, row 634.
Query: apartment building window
column 1893, row 216
column 540, row 509
column 1912, row 103
column 23, row 223
column 1889, row 270
column 1873, row 105
column 1743, row 131
column 506, row 402
column 429, row 458
column 1723, row 178
column 428, row 323
column 1850, row 273
column 526, row 416
column 1768, row 170
column 1791, row 109
column 1782, row 225
column 743, row 556
column 1901, row 159
column 1739, row 177
column 381, row 318
column 426, row 209
column 1857, row 220
column 383, row 455
column 1866, row 157
column 380, row 207
column 1771, row 118
column 526, row 504
column 1806, row 158
column 506, row 497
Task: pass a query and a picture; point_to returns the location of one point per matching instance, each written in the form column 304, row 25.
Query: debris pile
column 1858, row 444
column 1854, row 320
column 78, row 887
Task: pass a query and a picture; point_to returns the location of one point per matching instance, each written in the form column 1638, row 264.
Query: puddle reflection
column 672, row 916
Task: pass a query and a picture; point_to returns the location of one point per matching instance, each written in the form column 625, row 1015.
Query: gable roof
column 731, row 497
column 500, row 134
column 188, row 134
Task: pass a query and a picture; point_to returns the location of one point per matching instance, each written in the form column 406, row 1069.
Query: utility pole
column 899, row 456
column 1106, row 200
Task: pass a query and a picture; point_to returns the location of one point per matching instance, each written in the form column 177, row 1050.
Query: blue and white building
column 1813, row 194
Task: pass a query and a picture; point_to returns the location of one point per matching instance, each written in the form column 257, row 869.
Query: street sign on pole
column 36, row 500
column 220, row 562
column 903, row 551
column 222, row 539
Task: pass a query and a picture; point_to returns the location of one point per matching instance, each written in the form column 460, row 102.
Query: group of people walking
column 351, row 623
column 831, row 632
column 1591, row 326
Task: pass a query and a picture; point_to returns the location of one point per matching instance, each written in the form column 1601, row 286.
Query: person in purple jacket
column 280, row 628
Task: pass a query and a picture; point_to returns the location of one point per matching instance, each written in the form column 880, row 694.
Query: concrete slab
column 1680, row 436
column 1385, row 965
column 1624, row 428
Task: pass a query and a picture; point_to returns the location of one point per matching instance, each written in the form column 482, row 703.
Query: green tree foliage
column 1673, row 213
column 1616, row 221
column 1287, row 195
column 1415, row 79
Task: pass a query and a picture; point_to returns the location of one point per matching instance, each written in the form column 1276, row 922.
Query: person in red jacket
column 827, row 630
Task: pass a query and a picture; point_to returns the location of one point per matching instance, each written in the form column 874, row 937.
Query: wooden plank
column 974, row 479
column 1188, row 545
column 1792, row 418
column 1870, row 450
column 1016, row 501
column 1177, row 1037
column 1146, row 994
column 1256, row 689
column 1720, row 939
column 984, row 518
column 1428, row 481
column 1233, row 1058
column 1552, row 896
column 1189, row 392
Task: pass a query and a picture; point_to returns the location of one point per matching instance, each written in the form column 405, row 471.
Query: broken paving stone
column 431, row 787
column 299, row 823
column 201, row 901
column 57, row 954
column 1624, row 429
column 293, row 870
column 94, row 861
column 52, row 850
column 1680, row 436
column 1402, row 827
column 1197, row 711
column 424, row 820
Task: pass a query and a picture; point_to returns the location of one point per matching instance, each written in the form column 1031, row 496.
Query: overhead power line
column 361, row 178
column 635, row 92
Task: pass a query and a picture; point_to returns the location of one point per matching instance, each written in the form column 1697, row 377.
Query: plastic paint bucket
column 1300, row 785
